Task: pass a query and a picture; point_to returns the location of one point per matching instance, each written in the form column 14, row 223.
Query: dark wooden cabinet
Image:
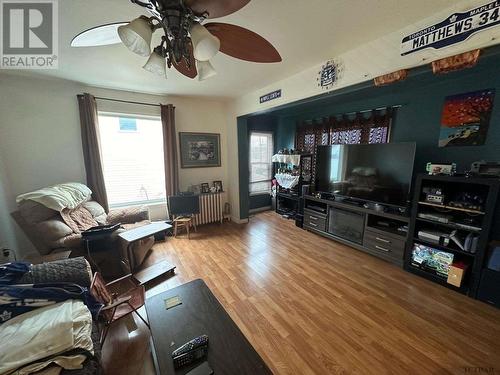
column 378, row 233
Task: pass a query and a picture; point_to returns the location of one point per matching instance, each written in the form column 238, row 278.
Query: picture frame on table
column 205, row 188
column 218, row 186
column 199, row 150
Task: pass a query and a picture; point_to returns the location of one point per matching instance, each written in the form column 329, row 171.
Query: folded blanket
column 39, row 338
column 58, row 197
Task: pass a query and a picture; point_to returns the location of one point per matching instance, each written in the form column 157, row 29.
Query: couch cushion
column 128, row 215
column 33, row 212
column 53, row 229
column 94, row 208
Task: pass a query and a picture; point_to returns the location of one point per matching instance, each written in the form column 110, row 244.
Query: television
column 378, row 173
column 184, row 205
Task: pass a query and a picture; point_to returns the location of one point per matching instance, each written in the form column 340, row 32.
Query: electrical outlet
column 6, row 255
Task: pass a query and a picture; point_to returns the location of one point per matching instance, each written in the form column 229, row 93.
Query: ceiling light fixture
column 186, row 44
column 205, row 45
column 205, row 70
column 156, row 63
column 136, row 36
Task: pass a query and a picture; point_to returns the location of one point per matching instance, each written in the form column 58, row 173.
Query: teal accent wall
column 422, row 96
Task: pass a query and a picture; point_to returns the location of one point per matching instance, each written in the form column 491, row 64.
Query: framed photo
column 199, row 150
column 205, row 188
column 218, row 186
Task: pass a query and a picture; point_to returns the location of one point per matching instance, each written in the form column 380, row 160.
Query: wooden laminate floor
column 310, row 305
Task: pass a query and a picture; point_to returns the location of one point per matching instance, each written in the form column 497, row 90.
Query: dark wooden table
column 229, row 352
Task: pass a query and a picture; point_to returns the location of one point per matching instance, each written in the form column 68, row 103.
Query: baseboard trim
column 239, row 221
column 260, row 209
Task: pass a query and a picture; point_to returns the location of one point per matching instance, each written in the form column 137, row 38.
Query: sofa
column 49, row 233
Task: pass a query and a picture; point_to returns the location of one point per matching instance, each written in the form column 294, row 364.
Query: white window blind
column 261, row 167
column 132, row 156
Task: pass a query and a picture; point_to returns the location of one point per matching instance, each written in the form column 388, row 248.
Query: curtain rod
column 128, row 101
column 369, row 110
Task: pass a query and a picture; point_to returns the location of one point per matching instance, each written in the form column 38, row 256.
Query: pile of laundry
column 44, row 327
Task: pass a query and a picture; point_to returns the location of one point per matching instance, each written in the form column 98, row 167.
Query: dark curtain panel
column 92, row 149
column 170, row 149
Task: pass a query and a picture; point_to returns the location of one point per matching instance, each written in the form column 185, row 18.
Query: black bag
column 99, row 238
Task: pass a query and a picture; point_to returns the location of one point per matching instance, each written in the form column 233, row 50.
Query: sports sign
column 271, row 96
column 457, row 28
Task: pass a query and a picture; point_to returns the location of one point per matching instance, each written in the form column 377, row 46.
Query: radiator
column 211, row 208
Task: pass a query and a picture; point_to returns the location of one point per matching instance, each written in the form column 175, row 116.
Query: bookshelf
column 471, row 227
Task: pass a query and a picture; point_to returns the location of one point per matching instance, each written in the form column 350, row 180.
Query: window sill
column 137, row 204
column 260, row 193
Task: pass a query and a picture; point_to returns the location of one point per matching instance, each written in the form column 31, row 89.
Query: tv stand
column 382, row 234
column 350, row 201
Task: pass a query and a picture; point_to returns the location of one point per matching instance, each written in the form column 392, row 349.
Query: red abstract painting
column 465, row 119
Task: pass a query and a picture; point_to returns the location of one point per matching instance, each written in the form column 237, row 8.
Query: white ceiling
column 304, row 32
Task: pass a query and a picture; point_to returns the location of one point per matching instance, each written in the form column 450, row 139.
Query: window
column 261, row 167
column 132, row 156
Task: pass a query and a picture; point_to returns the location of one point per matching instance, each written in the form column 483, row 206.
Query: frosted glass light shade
column 205, row 45
column 156, row 64
column 205, row 70
column 136, row 36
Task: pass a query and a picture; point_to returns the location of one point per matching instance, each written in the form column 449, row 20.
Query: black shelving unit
column 290, row 202
column 464, row 220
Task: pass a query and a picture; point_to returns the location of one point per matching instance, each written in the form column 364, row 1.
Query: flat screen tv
column 379, row 173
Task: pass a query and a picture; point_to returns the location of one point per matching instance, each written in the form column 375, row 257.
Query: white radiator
column 211, row 208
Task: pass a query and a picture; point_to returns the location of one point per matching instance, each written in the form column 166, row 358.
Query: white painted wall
column 362, row 63
column 41, row 143
column 7, row 237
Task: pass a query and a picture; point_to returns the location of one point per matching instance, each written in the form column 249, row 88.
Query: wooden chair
column 116, row 305
column 183, row 222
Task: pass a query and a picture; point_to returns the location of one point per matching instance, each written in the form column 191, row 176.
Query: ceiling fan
column 186, row 44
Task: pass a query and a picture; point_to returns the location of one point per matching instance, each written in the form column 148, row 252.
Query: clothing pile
column 44, row 327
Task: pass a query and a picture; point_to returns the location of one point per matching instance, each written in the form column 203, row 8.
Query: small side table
column 140, row 233
column 183, row 222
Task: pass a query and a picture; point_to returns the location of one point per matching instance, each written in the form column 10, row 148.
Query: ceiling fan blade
column 183, row 68
column 103, row 35
column 243, row 44
column 215, row 8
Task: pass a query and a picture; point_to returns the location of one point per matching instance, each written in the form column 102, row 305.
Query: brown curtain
column 170, row 149
column 92, row 149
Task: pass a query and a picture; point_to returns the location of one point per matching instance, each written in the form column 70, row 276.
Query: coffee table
column 229, row 352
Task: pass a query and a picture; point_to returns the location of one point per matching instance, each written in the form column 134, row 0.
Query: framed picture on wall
column 466, row 118
column 199, row 150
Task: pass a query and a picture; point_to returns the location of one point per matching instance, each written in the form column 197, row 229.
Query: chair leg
column 139, row 315
column 104, row 333
column 175, row 229
column 188, row 224
column 144, row 320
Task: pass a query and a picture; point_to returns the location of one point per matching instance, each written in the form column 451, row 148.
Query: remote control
column 190, row 345
column 192, row 356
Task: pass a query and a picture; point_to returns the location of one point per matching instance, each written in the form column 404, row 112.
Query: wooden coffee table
column 229, row 352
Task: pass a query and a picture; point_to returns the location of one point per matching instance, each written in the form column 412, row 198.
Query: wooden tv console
column 375, row 232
